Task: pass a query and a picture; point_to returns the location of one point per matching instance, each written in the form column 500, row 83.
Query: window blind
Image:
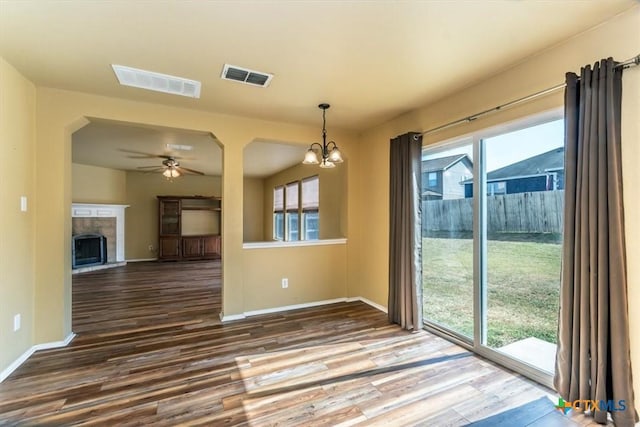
column 310, row 194
column 292, row 196
column 278, row 199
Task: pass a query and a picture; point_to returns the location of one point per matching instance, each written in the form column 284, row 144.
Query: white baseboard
column 369, row 302
column 23, row 358
column 55, row 344
column 142, row 259
column 227, row 318
column 293, row 307
column 231, row 317
column 16, row 364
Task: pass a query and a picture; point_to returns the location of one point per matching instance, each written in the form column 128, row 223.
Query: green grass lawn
column 523, row 287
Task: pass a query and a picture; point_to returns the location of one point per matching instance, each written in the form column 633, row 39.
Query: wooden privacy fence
column 534, row 212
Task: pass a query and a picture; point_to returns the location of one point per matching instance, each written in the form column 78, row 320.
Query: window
column 433, row 179
column 491, row 275
column 296, row 210
column 310, row 208
column 278, row 213
column 496, row 188
column 292, row 210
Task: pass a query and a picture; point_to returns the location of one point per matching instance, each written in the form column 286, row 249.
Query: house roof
column 536, row 165
column 444, row 163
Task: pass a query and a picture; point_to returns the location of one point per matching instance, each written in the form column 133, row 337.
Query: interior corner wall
column 93, row 184
column 17, row 228
column 141, row 217
column 619, row 38
column 253, row 215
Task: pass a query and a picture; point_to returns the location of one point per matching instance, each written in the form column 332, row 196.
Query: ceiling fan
column 170, row 165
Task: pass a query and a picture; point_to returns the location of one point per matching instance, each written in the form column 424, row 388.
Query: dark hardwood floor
column 151, row 350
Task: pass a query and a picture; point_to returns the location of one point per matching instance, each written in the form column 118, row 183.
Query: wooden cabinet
column 170, row 217
column 169, row 248
column 189, row 228
column 196, row 247
column 192, row 247
column 211, row 246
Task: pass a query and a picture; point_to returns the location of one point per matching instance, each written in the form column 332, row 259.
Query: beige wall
column 619, row 38
column 17, row 228
column 93, row 184
column 315, row 273
column 253, row 217
column 60, row 113
column 333, row 197
column 141, row 217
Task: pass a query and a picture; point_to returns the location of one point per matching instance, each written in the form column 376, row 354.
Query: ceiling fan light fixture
column 171, row 172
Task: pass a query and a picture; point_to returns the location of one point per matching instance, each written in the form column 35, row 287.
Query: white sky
column 512, row 147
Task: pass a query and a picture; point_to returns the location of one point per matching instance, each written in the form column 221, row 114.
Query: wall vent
column 150, row 80
column 245, row 75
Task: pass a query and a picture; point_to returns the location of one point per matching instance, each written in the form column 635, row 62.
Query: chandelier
column 328, row 151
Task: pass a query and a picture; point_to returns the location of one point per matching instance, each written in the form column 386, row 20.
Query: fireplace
column 88, row 250
column 104, row 226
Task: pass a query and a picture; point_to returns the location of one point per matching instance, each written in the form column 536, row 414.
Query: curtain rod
column 632, row 62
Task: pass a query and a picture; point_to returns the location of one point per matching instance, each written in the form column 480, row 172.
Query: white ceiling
column 111, row 144
column 372, row 60
column 103, row 143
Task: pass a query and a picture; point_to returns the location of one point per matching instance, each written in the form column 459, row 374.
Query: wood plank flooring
column 151, row 350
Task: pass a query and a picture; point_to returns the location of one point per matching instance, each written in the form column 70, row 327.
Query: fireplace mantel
column 95, row 210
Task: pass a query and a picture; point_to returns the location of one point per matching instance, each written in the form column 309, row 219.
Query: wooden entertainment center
column 189, row 228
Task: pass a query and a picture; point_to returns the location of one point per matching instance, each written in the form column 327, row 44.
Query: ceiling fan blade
column 154, row 170
column 149, row 167
column 193, row 171
column 143, row 155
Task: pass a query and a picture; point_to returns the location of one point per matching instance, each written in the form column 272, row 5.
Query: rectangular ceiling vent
column 245, row 75
column 158, row 82
column 179, row 147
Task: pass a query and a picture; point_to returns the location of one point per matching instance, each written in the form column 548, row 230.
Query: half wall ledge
column 297, row 243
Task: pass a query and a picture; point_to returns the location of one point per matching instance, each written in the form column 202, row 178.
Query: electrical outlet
column 23, row 203
column 285, row 283
column 16, row 322
column 151, row 249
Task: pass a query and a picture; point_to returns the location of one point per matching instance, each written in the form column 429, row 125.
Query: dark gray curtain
column 405, row 231
column 593, row 360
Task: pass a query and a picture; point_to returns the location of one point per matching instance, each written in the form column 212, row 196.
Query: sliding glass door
column 492, row 247
column 448, row 239
column 524, row 202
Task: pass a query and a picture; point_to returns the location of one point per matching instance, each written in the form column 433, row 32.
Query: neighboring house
column 443, row 178
column 544, row 172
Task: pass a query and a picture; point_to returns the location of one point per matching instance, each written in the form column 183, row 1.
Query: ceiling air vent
column 245, row 75
column 179, row 147
column 150, row 80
